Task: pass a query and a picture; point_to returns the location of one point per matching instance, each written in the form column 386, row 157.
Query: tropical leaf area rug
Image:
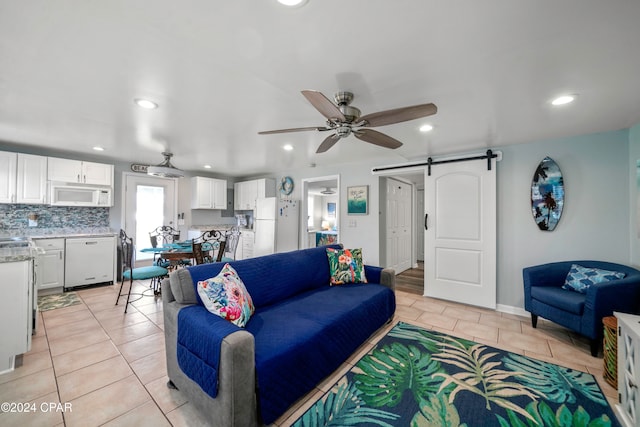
column 418, row 377
column 50, row 302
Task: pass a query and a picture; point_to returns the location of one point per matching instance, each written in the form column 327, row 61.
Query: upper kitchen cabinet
column 247, row 192
column 23, row 178
column 208, row 193
column 66, row 170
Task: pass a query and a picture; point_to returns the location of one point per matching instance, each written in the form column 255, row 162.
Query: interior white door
column 460, row 240
column 419, row 227
column 398, row 225
column 149, row 202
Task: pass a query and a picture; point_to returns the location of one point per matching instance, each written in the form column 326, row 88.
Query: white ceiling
column 223, row 70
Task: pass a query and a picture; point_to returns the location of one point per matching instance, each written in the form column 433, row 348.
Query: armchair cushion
column 572, row 302
column 580, row 278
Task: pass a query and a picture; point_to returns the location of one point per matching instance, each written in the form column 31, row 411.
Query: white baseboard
column 518, row 311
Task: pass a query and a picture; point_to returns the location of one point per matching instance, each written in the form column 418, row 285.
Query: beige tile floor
column 109, row 367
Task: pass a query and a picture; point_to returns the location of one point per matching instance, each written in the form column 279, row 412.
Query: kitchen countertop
column 26, row 253
column 51, row 233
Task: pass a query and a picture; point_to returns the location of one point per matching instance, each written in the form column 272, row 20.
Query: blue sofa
column 302, row 330
column 580, row 312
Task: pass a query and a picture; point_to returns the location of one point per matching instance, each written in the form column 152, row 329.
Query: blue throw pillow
column 580, row 278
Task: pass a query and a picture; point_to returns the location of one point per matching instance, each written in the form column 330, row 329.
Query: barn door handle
column 426, row 217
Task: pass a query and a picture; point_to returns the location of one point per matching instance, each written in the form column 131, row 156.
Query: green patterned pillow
column 346, row 266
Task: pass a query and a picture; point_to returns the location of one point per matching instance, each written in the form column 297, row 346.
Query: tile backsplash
column 17, row 216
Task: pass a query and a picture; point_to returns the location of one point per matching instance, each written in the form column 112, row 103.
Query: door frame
column 123, row 213
column 384, row 214
column 304, row 237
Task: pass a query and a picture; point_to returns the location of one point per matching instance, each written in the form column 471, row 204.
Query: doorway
column 399, row 225
column 320, row 209
column 149, row 202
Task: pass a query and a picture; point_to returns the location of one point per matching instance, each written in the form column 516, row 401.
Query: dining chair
column 207, row 244
column 162, row 236
column 232, row 238
column 153, row 272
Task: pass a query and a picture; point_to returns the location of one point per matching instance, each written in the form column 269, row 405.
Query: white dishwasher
column 89, row 260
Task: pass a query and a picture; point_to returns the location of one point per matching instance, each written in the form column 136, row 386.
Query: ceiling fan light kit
column 165, row 169
column 345, row 119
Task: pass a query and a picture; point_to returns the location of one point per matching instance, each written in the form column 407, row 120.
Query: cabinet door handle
column 60, row 253
column 78, row 178
column 90, row 243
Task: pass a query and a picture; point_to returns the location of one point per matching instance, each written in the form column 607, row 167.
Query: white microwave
column 62, row 194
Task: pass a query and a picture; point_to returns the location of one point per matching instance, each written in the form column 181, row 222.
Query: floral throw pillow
column 226, row 296
column 580, row 278
column 346, row 266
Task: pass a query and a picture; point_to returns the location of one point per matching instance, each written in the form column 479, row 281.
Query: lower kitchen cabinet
column 89, row 261
column 245, row 247
column 49, row 265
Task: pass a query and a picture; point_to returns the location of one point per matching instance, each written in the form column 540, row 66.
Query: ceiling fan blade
column 322, row 104
column 377, row 138
column 328, row 143
column 269, row 132
column 398, row 115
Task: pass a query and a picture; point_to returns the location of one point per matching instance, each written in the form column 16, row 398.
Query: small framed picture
column 358, row 200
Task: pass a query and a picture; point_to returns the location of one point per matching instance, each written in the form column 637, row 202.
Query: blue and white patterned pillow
column 580, row 278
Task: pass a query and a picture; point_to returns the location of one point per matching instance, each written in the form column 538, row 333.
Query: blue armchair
column 580, row 312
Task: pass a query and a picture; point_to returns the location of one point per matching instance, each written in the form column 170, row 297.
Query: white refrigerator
column 276, row 225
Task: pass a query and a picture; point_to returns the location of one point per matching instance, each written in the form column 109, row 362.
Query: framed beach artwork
column 358, row 200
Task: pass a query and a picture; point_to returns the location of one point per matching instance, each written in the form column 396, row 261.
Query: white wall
column 634, row 200
column 594, row 223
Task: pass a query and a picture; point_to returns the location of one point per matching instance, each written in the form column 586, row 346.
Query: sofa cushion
column 580, row 278
column 226, row 296
column 346, row 266
column 557, row 297
column 309, row 336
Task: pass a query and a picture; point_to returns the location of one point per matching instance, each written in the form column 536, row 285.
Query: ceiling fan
column 345, row 120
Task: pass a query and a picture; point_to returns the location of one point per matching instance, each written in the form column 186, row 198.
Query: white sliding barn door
column 460, row 240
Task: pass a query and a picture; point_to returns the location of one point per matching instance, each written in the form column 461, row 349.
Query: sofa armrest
column 384, row 276
column 235, row 404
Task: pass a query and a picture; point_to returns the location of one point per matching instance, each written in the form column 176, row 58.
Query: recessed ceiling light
column 288, row 147
column 145, row 103
column 426, row 128
column 292, row 3
column 564, row 99
column 207, row 166
column 97, row 148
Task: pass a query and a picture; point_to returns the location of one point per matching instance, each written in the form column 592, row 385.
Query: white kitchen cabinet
column 49, row 265
column 208, row 193
column 76, row 171
column 246, row 192
column 628, row 369
column 16, row 307
column 8, row 168
column 23, row 178
column 89, row 260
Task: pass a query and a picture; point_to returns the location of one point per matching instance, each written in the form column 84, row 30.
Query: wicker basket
column 610, row 344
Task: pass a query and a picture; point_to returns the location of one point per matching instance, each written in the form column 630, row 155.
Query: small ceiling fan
column 345, row 120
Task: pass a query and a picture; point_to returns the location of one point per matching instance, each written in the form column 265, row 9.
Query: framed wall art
column 358, row 200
